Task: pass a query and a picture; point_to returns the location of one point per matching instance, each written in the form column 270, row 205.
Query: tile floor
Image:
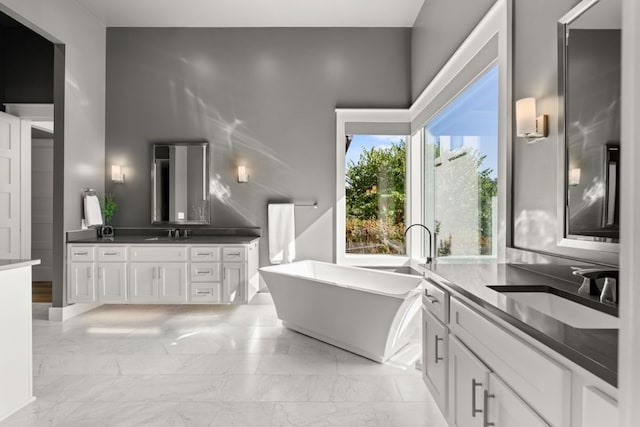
column 210, row 366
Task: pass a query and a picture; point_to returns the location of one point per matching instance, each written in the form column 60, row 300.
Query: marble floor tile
column 211, row 366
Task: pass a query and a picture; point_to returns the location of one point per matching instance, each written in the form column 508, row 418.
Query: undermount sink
column 566, row 311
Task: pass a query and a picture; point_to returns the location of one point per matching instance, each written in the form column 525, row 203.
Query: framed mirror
column 180, row 183
column 589, row 71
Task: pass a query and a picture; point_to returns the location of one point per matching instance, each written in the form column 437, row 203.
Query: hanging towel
column 282, row 233
column 92, row 212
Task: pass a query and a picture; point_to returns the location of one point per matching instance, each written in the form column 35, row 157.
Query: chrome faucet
column 589, row 286
column 430, row 258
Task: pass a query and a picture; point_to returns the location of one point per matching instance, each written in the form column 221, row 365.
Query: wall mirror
column 589, row 41
column 180, row 183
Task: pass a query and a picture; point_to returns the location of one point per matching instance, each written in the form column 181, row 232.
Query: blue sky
column 473, row 113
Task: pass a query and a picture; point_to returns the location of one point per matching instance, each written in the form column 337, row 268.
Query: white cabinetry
column 469, row 379
column 162, row 274
column 485, row 376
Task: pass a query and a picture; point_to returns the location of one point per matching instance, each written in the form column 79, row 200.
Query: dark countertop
column 10, row 264
column 158, row 236
column 596, row 350
column 191, row 240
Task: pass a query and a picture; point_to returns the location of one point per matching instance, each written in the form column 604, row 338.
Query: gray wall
column 441, row 26
column 264, row 97
column 535, row 165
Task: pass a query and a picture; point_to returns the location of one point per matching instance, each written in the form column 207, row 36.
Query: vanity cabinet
column 435, row 342
column 481, row 375
column 162, row 274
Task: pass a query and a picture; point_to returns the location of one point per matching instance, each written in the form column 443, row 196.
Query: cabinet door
column 172, row 283
column 234, row 282
column 435, row 342
column 467, row 382
column 82, row 283
column 504, row 408
column 112, row 282
column 143, row 284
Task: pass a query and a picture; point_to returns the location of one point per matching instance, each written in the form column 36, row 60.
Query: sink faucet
column 589, row 286
column 430, row 257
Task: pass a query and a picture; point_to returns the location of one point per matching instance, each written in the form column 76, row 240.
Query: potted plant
column 109, row 206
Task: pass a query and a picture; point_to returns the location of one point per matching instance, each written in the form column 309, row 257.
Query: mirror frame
column 563, row 239
column 205, row 177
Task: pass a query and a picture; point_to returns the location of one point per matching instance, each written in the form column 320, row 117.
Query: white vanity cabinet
column 435, row 342
column 162, row 274
column 481, row 375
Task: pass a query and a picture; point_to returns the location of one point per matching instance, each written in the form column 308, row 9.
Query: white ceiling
column 255, row 13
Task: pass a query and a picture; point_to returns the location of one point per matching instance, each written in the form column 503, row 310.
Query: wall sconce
column 243, row 174
column 117, row 174
column 527, row 124
column 574, row 177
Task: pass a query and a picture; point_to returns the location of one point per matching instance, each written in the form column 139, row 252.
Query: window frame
column 374, row 116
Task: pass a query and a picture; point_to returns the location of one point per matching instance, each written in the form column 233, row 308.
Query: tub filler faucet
column 430, row 258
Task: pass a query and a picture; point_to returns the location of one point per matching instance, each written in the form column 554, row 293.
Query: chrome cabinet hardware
column 203, row 253
column 431, row 298
column 203, row 271
column 485, row 421
column 438, row 358
column 110, row 253
column 474, row 384
column 233, row 253
column 80, row 253
column 201, row 292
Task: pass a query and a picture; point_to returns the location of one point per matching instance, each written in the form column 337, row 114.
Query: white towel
column 92, row 211
column 282, row 233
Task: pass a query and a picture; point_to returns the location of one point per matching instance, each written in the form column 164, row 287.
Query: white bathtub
column 370, row 313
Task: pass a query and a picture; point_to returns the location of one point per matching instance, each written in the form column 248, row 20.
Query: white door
column 42, row 208
column 506, row 409
column 467, row 382
column 143, row 283
column 82, row 284
column 435, row 357
column 9, row 187
column 172, row 283
column 233, row 282
column 112, row 282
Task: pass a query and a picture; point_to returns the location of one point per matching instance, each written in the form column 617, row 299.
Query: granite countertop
column 10, row 264
column 596, row 350
column 191, row 240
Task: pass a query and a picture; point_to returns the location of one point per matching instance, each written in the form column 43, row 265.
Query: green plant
column 109, row 207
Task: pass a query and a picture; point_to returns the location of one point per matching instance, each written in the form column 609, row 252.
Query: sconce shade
column 243, row 174
column 116, row 174
column 525, row 116
column 527, row 124
column 574, row 176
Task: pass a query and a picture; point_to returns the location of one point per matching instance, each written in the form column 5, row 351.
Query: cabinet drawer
column 109, row 253
column 205, row 292
column 436, row 300
column 82, row 253
column 205, row 272
column 234, row 254
column 541, row 381
column 199, row 254
column 158, row 253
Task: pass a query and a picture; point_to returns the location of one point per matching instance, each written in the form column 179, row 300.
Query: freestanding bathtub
column 370, row 313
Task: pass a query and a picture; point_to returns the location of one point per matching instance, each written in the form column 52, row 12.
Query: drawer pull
column 80, row 253
column 110, row 253
column 199, row 292
column 474, row 384
column 432, row 299
column 203, row 271
column 233, row 253
column 203, row 254
column 486, row 422
column 438, row 358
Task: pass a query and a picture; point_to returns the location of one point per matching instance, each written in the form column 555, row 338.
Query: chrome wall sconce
column 117, row 174
column 528, row 125
column 243, row 174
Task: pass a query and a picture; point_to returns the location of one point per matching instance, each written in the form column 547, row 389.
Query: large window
column 375, row 175
column 461, row 171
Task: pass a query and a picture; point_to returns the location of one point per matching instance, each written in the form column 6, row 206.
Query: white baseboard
column 60, row 314
column 19, row 407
